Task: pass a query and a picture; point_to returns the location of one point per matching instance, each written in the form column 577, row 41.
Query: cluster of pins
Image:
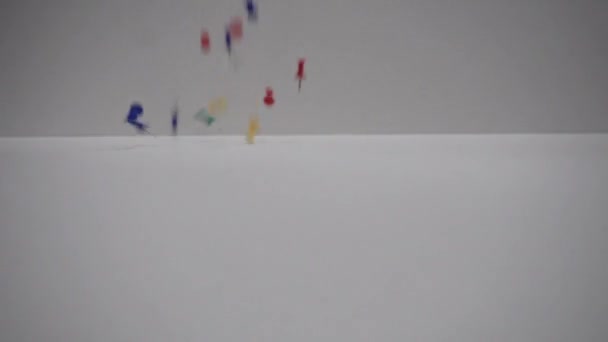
column 233, row 31
column 254, row 120
column 218, row 106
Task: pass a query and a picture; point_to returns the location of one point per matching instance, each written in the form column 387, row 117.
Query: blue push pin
column 135, row 112
column 174, row 119
column 228, row 41
column 252, row 10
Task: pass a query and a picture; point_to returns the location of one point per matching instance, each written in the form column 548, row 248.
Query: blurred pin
column 236, row 28
column 228, row 41
column 231, row 55
column 252, row 10
column 217, row 106
column 204, row 116
column 300, row 75
column 205, row 42
column 252, row 130
column 174, row 118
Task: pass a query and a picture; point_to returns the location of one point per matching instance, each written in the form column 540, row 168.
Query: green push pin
column 204, row 116
column 210, row 120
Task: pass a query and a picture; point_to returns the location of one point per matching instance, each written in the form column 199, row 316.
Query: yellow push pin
column 254, row 127
column 218, row 106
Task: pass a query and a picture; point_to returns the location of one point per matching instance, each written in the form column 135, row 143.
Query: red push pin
column 205, row 42
column 300, row 75
column 236, row 28
column 269, row 98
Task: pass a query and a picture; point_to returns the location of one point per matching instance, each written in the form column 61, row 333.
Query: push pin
column 252, row 10
column 300, row 75
column 269, row 98
column 205, row 42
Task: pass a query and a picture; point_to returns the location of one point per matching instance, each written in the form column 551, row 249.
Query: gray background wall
column 72, row 67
